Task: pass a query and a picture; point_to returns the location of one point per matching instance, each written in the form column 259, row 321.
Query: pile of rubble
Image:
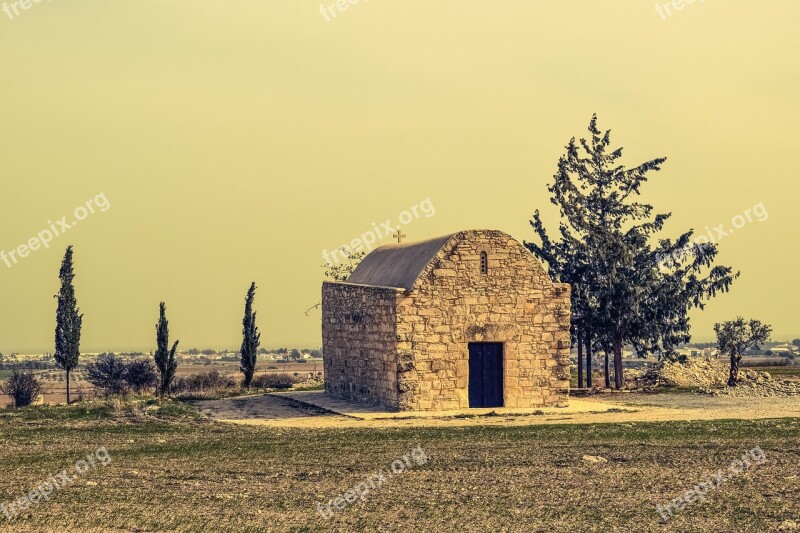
column 711, row 376
column 758, row 384
column 695, row 372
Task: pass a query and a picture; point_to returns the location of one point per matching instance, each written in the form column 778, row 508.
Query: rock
column 594, row 459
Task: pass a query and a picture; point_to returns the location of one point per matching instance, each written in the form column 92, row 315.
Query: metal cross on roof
column 399, row 235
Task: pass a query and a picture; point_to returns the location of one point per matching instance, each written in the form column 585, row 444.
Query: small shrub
column 274, row 381
column 310, row 386
column 107, row 373
column 111, row 375
column 202, row 382
column 140, row 376
column 23, row 387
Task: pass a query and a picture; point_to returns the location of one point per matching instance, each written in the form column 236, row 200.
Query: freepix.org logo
column 373, row 482
column 55, row 229
column 756, row 456
column 757, row 213
column 43, row 491
column 369, row 239
column 12, row 9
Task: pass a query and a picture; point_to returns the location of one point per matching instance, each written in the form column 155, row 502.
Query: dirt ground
column 315, row 410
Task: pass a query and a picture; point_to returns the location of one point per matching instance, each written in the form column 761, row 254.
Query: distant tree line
column 27, row 364
column 261, row 351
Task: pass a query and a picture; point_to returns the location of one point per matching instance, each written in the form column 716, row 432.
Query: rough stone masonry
column 397, row 333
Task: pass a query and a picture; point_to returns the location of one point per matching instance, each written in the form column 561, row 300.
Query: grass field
column 172, row 470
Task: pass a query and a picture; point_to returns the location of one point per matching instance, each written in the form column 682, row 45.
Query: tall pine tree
column 68, row 320
column 627, row 293
column 164, row 356
column 251, row 338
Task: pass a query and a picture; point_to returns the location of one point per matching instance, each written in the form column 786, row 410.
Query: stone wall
column 358, row 342
column 453, row 304
column 409, row 349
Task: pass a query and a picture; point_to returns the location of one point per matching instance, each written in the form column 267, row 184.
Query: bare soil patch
column 279, row 411
column 262, row 408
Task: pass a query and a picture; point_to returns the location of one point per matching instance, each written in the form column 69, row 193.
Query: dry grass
column 171, row 470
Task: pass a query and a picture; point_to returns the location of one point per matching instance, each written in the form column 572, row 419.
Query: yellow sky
column 235, row 141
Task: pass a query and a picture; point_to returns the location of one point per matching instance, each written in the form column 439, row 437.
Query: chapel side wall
column 516, row 304
column 358, row 343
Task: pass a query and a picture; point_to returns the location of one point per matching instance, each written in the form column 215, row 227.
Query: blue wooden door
column 485, row 374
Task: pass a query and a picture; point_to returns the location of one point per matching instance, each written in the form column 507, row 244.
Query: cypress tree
column 164, row 356
column 68, row 320
column 251, row 338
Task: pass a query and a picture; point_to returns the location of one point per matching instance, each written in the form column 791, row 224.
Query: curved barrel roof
column 397, row 265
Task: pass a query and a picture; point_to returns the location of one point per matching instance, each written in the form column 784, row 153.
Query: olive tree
column 734, row 337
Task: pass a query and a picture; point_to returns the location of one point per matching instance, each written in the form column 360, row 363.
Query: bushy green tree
column 68, row 320
column 107, row 373
column 140, row 376
column 736, row 336
column 22, row 387
column 630, row 287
